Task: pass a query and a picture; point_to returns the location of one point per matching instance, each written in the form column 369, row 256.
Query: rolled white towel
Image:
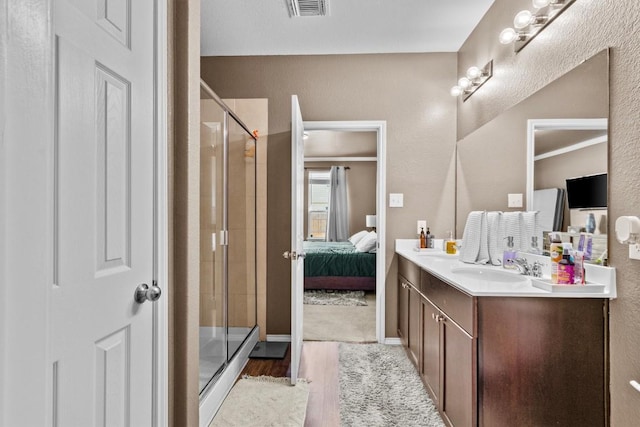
column 495, row 238
column 474, row 237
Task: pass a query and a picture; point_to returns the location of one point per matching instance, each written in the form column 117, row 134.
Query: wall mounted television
column 587, row 192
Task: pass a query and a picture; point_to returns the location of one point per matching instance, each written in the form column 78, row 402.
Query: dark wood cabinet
column 403, row 311
column 458, row 402
column 505, row 361
column 430, row 355
column 448, row 354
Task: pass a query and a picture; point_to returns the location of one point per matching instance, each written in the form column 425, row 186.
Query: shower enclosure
column 227, row 239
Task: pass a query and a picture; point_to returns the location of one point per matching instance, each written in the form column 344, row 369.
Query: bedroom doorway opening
column 344, row 278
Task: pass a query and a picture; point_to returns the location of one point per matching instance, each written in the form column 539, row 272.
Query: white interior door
column 297, row 251
column 101, row 338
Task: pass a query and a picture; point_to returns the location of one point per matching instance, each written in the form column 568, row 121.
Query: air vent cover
column 308, row 7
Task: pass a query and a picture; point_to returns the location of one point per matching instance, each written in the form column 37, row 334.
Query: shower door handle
column 145, row 293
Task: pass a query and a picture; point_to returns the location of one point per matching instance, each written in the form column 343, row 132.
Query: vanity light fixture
column 474, row 78
column 527, row 24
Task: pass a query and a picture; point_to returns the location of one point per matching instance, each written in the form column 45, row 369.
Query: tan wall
column 361, row 178
column 584, row 29
column 184, row 220
column 409, row 91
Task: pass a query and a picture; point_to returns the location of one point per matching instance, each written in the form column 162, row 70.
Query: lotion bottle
column 555, row 255
column 423, row 239
column 565, row 269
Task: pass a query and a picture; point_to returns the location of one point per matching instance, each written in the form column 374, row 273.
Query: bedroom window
column 318, row 204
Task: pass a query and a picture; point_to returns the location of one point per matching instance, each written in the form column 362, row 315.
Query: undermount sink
column 490, row 275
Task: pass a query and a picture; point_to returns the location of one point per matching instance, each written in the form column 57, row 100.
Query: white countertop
column 441, row 265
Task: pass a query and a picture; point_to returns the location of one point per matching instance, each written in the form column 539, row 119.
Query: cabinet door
column 458, row 402
column 403, row 311
column 430, row 354
column 415, row 321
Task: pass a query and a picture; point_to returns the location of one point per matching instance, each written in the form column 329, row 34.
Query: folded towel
column 530, row 227
column 495, row 238
column 474, row 239
column 511, row 225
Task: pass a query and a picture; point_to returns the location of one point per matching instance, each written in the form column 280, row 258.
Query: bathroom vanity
column 493, row 350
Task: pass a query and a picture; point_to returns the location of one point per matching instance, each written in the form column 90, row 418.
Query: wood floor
column 319, row 365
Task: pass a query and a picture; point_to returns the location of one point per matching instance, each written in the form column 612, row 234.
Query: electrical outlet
column 634, row 251
column 396, row 200
column 422, row 224
column 514, row 200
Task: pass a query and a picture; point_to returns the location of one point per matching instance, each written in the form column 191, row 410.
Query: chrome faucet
column 522, row 265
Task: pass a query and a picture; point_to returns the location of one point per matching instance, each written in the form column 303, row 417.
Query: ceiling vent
column 308, row 7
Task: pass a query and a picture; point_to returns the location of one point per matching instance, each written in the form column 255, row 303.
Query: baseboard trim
column 392, row 341
column 279, row 338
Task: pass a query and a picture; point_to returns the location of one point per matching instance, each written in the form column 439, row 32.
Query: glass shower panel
column 213, row 331
column 242, row 235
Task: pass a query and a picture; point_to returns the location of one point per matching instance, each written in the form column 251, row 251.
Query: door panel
column 297, row 237
column 103, row 224
column 458, row 402
column 431, row 348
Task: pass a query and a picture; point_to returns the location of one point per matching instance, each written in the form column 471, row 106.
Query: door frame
column 26, row 156
column 380, row 127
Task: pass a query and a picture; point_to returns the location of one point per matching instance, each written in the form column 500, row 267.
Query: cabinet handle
column 439, row 318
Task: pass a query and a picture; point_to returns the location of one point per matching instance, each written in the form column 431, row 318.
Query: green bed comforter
column 337, row 259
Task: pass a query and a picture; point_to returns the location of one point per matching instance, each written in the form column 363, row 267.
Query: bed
column 338, row 266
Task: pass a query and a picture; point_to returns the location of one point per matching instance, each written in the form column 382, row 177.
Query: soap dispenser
column 509, row 254
column 534, row 249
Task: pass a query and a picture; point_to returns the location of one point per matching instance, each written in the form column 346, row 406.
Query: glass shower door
column 242, row 235
column 213, row 330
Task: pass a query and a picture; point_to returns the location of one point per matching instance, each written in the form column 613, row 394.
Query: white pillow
column 358, row 236
column 367, row 243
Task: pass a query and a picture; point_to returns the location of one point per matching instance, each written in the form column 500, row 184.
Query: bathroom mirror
column 496, row 159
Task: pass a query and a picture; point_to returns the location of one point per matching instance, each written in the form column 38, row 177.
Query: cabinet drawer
column 457, row 305
column 409, row 270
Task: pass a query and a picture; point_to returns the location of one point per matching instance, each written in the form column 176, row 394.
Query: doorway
column 369, row 153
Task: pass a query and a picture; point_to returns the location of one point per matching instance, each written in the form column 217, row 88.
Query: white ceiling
column 263, row 27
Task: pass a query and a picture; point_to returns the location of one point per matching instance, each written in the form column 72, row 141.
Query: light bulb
column 474, row 73
column 539, row 4
column 523, row 19
column 508, row 35
column 456, row 91
column 464, row 83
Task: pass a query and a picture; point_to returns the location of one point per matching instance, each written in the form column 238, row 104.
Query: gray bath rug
column 324, row 297
column 380, row 387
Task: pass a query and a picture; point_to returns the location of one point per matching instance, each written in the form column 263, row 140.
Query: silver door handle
column 293, row 255
column 146, row 293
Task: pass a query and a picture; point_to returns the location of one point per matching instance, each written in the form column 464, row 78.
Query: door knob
column 290, row 255
column 146, row 293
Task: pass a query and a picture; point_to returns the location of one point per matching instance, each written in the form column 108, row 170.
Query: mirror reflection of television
column 587, row 192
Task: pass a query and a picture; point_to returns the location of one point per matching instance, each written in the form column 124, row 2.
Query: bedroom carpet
column 380, row 387
column 341, row 323
column 322, row 297
column 264, row 401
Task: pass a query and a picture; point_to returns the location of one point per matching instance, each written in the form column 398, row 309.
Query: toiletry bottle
column 509, row 254
column 578, row 268
column 534, row 249
column 423, row 239
column 555, row 255
column 565, row 268
column 429, row 239
column 451, row 245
